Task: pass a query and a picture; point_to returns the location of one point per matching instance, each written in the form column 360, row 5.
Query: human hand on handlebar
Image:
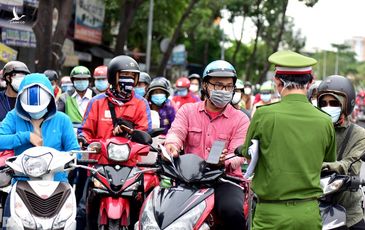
column 172, row 150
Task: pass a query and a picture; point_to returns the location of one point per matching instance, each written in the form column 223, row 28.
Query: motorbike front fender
column 114, row 208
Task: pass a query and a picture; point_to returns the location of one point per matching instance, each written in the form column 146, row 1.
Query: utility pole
column 324, row 64
column 149, row 37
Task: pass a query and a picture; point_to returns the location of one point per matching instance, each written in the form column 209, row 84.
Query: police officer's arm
column 351, row 154
column 252, row 133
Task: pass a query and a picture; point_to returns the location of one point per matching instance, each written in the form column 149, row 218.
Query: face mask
column 334, row 112
column 81, row 85
column 101, row 85
column 39, row 115
column 158, row 99
column 248, row 91
column 220, row 98
column 16, row 80
column 2, row 84
column 126, row 86
column 67, row 87
column 194, row 88
column 314, row 102
column 182, row 92
column 236, row 98
column 141, row 91
column 265, row 97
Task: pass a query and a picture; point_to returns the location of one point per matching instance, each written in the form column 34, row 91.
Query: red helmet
column 101, row 72
column 183, row 82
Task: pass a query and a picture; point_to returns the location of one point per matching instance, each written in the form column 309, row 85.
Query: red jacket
column 97, row 122
column 178, row 101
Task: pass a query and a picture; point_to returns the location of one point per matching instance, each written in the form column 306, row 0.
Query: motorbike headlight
column 22, row 212
column 118, row 152
column 65, row 213
column 36, row 166
column 189, row 219
column 333, row 186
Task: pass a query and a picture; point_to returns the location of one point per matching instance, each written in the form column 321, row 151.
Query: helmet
column 219, row 68
column 80, row 72
column 15, row 67
column 341, row 86
column 122, row 63
column 194, row 76
column 248, row 84
column 145, row 77
column 158, row 83
column 51, row 74
column 312, row 89
column 267, row 88
column 34, row 99
column 100, row 72
column 182, row 82
column 239, row 84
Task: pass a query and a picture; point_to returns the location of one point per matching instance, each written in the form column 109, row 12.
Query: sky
column 327, row 22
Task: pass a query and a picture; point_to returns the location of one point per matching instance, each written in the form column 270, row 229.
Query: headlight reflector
column 118, row 152
column 36, row 166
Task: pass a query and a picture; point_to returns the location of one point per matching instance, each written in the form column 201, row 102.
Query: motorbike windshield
column 190, row 167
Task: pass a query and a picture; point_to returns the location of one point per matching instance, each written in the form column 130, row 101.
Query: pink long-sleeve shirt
column 194, row 131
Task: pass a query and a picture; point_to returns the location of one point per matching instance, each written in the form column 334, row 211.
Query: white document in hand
column 253, row 151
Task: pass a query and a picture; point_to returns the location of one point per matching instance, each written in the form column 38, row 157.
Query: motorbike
column 185, row 197
column 5, row 180
column 119, row 181
column 333, row 214
column 36, row 201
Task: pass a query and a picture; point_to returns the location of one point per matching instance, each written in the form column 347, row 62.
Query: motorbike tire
column 114, row 225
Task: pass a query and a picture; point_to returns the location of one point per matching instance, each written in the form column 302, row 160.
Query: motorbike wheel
column 114, row 225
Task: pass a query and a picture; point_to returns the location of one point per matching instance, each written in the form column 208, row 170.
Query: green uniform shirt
column 294, row 139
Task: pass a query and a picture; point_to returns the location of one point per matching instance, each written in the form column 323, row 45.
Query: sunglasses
column 332, row 103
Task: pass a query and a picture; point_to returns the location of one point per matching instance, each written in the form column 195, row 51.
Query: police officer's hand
column 36, row 140
column 172, row 150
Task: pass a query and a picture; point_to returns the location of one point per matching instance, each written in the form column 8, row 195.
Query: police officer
column 294, row 140
column 336, row 96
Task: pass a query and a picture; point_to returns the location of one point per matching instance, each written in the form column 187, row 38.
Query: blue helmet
column 219, row 68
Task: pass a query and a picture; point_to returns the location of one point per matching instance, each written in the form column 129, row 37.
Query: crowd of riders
column 302, row 126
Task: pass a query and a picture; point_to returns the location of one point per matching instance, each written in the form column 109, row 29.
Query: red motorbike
column 4, row 180
column 119, row 181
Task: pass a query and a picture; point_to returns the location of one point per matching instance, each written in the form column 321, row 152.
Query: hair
column 295, row 81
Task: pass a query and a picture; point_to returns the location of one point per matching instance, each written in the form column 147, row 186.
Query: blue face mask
column 141, row 91
column 67, row 87
column 266, row 97
column 158, row 99
column 81, row 85
column 39, row 115
column 181, row 92
column 101, row 85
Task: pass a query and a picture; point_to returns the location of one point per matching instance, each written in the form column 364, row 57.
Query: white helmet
column 34, row 99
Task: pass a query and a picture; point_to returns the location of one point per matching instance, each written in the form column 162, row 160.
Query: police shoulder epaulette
column 259, row 106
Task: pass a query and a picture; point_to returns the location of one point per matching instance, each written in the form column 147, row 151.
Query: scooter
column 185, row 197
column 333, row 214
column 5, row 180
column 118, row 182
column 36, row 200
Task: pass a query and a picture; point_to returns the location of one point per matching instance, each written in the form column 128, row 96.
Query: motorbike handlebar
column 87, row 162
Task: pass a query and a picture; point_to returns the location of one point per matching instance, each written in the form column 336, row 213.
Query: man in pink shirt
column 198, row 125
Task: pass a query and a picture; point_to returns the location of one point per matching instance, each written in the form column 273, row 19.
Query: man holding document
column 293, row 139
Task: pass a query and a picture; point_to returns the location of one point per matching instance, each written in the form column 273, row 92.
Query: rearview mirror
column 141, row 137
column 238, row 151
column 155, row 132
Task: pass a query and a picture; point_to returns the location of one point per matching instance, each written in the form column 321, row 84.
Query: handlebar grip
column 362, row 183
column 86, row 162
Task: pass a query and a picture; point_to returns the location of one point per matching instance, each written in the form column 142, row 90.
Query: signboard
column 15, row 37
column 8, row 5
column 178, row 56
column 7, row 54
column 89, row 20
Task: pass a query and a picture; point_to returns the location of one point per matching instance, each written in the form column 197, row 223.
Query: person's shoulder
column 272, row 105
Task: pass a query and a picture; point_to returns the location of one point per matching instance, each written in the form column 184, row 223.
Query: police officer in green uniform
column 295, row 139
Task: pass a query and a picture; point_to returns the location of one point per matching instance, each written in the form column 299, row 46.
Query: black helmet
column 312, row 89
column 158, row 83
column 15, row 67
column 51, row 74
column 145, row 77
column 341, row 86
column 122, row 63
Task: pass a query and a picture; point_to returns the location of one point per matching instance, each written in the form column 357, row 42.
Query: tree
column 49, row 45
column 175, row 35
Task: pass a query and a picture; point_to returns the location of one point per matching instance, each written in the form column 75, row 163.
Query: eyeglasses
column 220, row 86
column 332, row 103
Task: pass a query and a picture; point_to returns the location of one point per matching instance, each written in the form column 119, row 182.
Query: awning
column 100, row 52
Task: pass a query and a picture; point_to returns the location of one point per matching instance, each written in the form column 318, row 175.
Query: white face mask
column 334, row 112
column 194, row 88
column 16, row 80
column 236, row 98
column 314, row 102
column 248, row 91
column 266, row 97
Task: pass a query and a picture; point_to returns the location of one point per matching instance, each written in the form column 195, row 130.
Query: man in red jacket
column 123, row 75
column 182, row 93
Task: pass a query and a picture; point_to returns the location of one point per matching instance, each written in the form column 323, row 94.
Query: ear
column 277, row 81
